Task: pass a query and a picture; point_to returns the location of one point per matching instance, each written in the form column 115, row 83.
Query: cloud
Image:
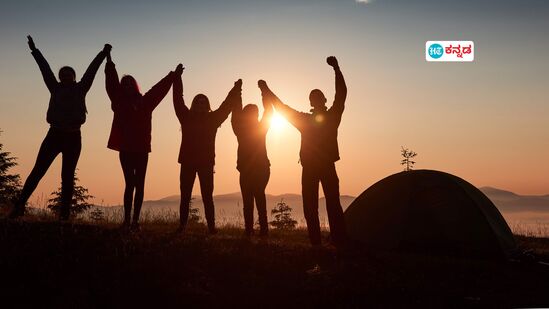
column 364, row 1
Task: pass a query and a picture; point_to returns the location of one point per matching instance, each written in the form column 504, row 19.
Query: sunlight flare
column 278, row 123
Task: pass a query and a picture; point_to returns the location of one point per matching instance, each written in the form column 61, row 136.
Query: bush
column 10, row 184
column 79, row 202
column 194, row 213
column 282, row 217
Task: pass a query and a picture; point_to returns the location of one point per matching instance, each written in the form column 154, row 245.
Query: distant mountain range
column 507, row 201
column 514, row 207
column 229, row 205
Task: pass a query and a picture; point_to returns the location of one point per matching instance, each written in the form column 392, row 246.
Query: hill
column 525, row 214
column 229, row 206
column 54, row 265
column 507, row 201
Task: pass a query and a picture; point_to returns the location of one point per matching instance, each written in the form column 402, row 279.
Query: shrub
column 79, row 202
column 282, row 217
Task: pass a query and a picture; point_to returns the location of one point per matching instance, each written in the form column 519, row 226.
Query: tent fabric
column 429, row 211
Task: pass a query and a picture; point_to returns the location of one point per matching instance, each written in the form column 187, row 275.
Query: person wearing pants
column 252, row 161
column 318, row 154
column 66, row 114
column 131, row 131
column 199, row 126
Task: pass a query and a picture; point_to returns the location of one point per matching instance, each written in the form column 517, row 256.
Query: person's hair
column 250, row 108
column 129, row 79
column 316, row 93
column 68, row 69
column 199, row 97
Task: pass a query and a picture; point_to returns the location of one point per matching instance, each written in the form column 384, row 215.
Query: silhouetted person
column 252, row 162
column 66, row 113
column 318, row 154
column 197, row 153
column 131, row 131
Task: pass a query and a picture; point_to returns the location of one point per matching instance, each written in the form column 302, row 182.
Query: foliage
column 97, row 214
column 194, row 213
column 282, row 217
column 408, row 155
column 10, row 184
column 96, row 264
column 79, row 202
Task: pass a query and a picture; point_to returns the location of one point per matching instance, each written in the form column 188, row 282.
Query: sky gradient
column 484, row 121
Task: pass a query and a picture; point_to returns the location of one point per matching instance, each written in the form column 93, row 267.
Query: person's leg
column 72, row 145
column 309, row 182
column 260, row 201
column 330, row 185
column 128, row 168
column 246, row 184
column 205, row 175
column 47, row 153
column 140, row 171
column 186, row 182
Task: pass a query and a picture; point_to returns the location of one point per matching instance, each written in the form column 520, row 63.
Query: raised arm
column 89, row 75
column 47, row 74
column 237, row 109
column 341, row 88
column 112, row 83
column 154, row 96
column 268, row 111
column 293, row 116
column 225, row 108
column 181, row 109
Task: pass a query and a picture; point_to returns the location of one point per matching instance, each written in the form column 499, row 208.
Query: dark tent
column 430, row 212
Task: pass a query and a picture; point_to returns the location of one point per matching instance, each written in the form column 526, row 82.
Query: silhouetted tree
column 97, row 214
column 194, row 212
column 408, row 155
column 79, row 202
column 10, row 184
column 282, row 217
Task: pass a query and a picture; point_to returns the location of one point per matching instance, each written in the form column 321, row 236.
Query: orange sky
column 484, row 121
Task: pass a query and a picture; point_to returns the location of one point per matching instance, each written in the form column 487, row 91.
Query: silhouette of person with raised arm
column 252, row 162
column 199, row 126
column 66, row 113
column 318, row 154
column 131, row 131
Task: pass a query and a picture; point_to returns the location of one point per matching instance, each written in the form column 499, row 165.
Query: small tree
column 282, row 217
column 10, row 184
column 408, row 155
column 97, row 214
column 194, row 212
column 79, row 202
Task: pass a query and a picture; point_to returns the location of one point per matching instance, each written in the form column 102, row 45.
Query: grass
column 537, row 230
column 84, row 265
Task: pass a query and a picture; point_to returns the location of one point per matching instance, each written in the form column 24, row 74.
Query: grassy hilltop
column 87, row 266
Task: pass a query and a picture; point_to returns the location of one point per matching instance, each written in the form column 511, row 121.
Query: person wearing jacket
column 131, row 131
column 66, row 113
column 199, row 126
column 318, row 154
column 252, row 161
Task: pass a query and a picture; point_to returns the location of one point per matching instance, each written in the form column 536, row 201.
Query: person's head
column 67, row 75
column 250, row 112
column 317, row 99
column 129, row 85
column 200, row 104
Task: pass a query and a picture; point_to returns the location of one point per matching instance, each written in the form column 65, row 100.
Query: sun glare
column 278, row 123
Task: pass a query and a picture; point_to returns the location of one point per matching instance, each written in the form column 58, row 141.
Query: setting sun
column 303, row 153
column 278, row 123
